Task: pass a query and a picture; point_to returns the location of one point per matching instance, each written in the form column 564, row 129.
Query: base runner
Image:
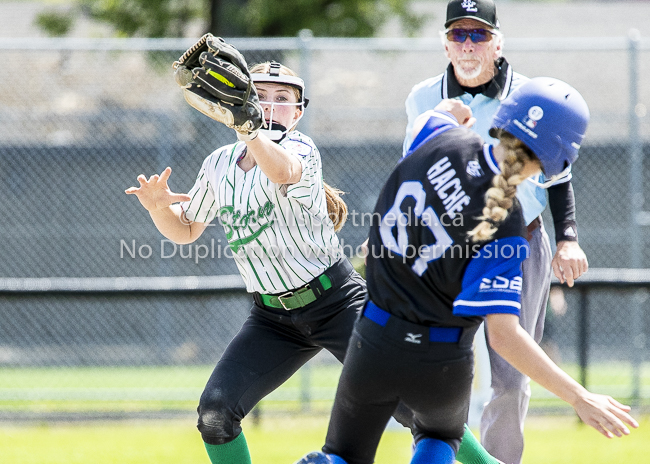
column 444, row 253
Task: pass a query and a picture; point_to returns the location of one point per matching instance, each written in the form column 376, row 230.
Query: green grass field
column 284, row 433
column 156, row 388
column 282, row 440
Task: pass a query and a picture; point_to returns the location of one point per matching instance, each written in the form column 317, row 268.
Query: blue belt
column 436, row 334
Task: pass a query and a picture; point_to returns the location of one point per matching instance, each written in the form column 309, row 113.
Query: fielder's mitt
column 215, row 80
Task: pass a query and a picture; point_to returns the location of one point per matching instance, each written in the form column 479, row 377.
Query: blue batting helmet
column 550, row 117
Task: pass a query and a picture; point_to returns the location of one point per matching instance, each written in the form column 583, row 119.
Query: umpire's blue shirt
column 427, row 94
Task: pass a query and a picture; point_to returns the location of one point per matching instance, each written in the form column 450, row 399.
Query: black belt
column 436, row 334
column 299, row 297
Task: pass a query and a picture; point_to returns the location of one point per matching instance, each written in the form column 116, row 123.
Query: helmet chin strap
column 275, row 131
column 549, row 182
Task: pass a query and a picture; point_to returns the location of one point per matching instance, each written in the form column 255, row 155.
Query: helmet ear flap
column 552, row 160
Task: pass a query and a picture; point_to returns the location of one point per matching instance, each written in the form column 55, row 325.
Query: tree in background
column 325, row 18
column 55, row 22
column 248, row 18
column 145, row 18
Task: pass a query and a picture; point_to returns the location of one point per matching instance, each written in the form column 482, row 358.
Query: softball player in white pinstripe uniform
column 281, row 235
column 269, row 194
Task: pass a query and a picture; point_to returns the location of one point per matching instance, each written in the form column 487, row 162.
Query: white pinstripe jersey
column 281, row 236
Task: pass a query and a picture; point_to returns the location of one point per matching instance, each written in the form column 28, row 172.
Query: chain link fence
column 96, row 113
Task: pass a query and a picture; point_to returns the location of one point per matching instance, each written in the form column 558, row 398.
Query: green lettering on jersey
column 243, row 241
column 234, row 221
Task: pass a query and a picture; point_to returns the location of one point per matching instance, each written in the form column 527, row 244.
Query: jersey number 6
column 395, row 217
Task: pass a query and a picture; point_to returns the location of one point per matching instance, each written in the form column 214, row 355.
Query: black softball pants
column 271, row 346
column 382, row 369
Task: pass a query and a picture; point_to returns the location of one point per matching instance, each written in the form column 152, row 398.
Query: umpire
column 480, row 77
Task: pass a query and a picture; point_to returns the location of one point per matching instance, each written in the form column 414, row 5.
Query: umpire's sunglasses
column 475, row 35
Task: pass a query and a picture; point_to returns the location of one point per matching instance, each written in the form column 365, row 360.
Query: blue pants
column 381, row 369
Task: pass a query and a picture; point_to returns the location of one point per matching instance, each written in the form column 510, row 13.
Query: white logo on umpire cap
column 469, row 5
column 413, row 338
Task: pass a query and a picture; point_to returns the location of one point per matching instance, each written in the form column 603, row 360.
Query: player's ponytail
column 499, row 198
column 337, row 210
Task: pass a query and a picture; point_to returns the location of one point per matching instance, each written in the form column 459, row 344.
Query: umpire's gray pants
column 502, row 422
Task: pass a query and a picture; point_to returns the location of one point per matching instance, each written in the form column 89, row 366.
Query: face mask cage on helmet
column 275, row 131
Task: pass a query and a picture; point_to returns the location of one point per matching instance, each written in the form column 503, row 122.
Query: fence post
column 305, row 37
column 636, row 154
column 636, row 206
column 638, row 342
column 583, row 335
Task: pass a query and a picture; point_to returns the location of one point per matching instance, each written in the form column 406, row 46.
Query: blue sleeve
column 492, row 280
column 437, row 123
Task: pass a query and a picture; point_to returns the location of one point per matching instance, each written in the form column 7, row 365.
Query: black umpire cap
column 484, row 11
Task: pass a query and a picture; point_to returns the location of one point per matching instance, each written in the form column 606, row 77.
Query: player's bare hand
column 605, row 414
column 460, row 110
column 569, row 262
column 154, row 193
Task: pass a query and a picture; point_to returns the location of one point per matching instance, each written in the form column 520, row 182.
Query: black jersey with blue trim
column 422, row 266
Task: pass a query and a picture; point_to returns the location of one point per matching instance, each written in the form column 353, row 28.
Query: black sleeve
column 563, row 208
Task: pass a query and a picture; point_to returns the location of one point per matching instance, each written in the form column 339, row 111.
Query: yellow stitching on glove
column 220, row 78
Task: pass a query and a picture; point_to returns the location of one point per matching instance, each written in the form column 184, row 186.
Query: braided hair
column 499, row 198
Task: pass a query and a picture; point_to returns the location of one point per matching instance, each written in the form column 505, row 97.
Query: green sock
column 233, row 452
column 472, row 452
